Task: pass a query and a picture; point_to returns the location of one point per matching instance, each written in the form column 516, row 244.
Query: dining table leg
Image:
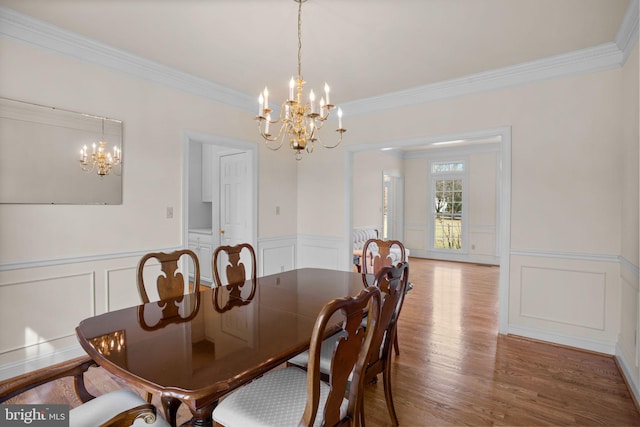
column 170, row 406
column 202, row 415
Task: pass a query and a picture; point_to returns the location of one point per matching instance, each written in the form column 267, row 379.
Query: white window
column 447, row 188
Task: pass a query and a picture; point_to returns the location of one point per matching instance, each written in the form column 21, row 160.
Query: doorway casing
column 190, row 137
column 504, row 195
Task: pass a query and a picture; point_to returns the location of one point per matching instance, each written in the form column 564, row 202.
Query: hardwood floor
column 454, row 368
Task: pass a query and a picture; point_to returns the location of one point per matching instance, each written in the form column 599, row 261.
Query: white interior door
column 235, row 199
column 235, row 204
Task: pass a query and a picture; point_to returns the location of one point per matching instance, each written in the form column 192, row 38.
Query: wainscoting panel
column 323, row 252
column 54, row 307
column 276, row 255
column 41, row 303
column 627, row 349
column 121, row 288
column 578, row 297
column 570, row 299
column 482, row 242
column 415, row 238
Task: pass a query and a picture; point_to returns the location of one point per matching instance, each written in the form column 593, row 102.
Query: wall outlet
column 169, row 212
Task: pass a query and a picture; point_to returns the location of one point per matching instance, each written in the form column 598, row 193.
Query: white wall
column 627, row 350
column 368, row 168
column 64, row 262
column 566, row 151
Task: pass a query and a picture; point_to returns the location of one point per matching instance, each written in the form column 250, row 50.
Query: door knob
column 221, row 231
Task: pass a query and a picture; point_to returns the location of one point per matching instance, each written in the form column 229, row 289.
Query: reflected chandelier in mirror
column 100, row 159
column 39, row 156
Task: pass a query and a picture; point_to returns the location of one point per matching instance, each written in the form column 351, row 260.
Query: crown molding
column 627, row 36
column 22, row 28
column 594, row 59
column 598, row 58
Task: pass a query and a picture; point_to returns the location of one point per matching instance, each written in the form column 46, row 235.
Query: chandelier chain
column 299, row 40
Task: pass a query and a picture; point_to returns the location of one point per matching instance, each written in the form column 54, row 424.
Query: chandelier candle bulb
column 292, row 84
column 266, row 125
column 266, row 98
column 312, row 101
column 326, row 92
column 339, row 118
column 260, row 105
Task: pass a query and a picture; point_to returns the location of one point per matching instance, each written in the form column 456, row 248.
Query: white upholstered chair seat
column 276, row 399
column 104, row 407
column 326, row 354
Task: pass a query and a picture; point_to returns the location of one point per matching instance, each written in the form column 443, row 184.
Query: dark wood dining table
column 195, row 349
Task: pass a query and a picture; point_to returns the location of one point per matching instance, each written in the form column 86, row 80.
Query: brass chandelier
column 100, row 159
column 300, row 120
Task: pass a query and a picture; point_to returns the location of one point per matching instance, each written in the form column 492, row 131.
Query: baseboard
column 628, row 376
column 598, row 346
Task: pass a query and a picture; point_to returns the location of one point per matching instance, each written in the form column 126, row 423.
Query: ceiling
column 362, row 48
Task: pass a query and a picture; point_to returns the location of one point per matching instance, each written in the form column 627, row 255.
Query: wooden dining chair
column 170, row 283
column 170, row 287
column 117, row 408
column 377, row 254
column 291, row 396
column 235, row 271
column 392, row 282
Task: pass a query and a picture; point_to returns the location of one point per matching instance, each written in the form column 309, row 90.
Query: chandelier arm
column 273, row 148
column 87, row 166
column 318, row 123
column 340, row 131
column 268, row 138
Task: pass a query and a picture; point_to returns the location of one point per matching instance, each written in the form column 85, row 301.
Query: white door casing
column 224, row 145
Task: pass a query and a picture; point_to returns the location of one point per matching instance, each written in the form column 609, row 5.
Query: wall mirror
column 40, row 153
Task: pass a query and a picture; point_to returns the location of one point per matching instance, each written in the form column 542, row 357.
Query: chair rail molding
column 10, row 266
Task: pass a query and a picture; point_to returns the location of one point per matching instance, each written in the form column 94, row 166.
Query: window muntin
column 447, row 167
